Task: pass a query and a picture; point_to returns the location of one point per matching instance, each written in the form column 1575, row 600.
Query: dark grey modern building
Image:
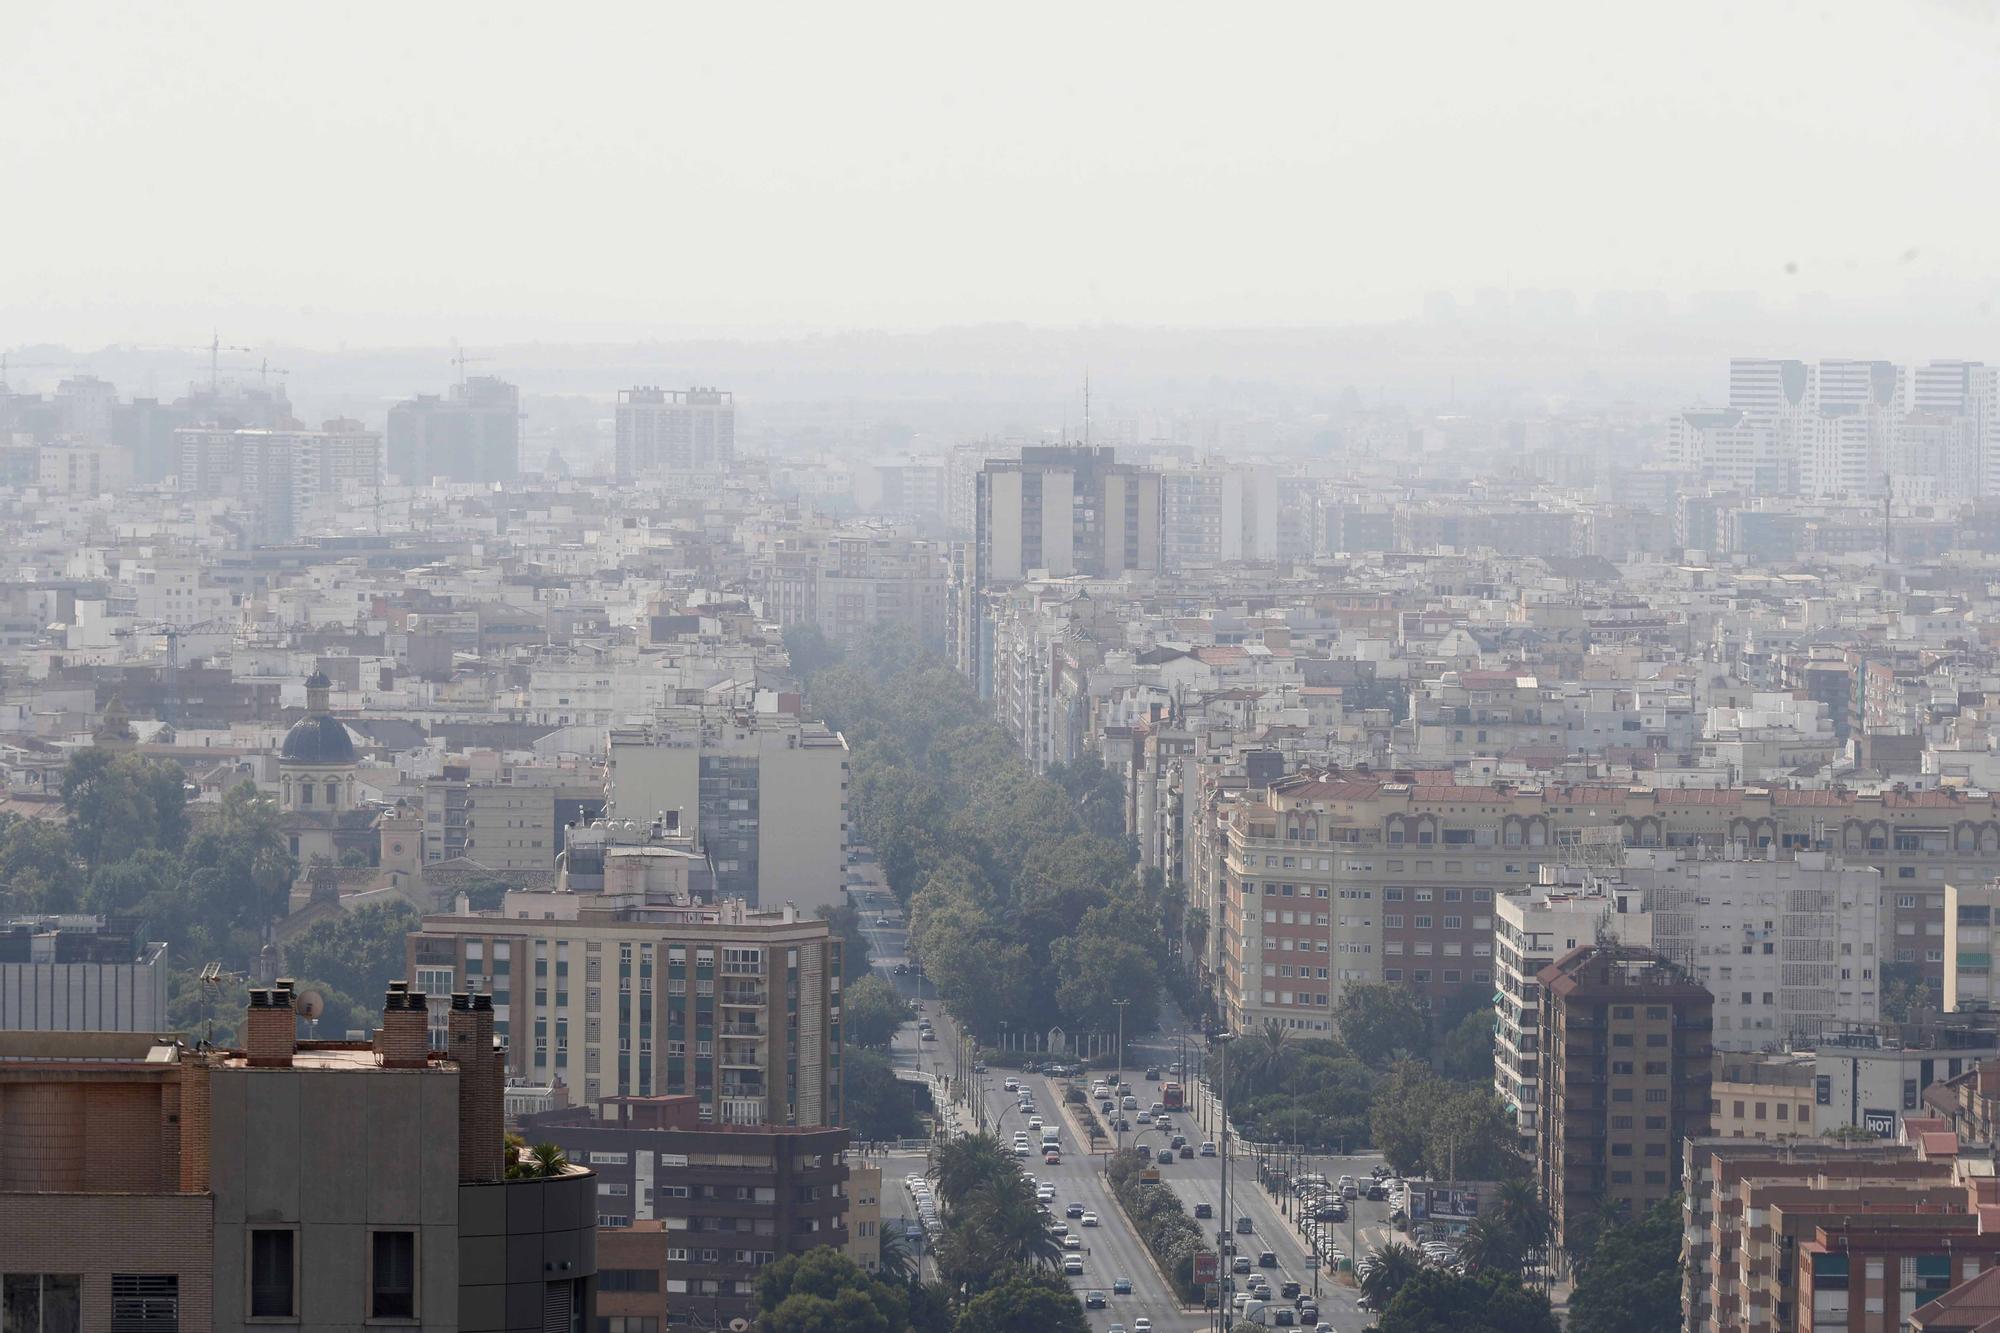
column 472, row 435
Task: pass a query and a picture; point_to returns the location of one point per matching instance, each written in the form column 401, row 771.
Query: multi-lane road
column 1112, row 1249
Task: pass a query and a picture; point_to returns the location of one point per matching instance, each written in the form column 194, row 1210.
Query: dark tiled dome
column 318, row 740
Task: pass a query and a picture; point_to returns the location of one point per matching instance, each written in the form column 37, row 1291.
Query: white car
column 1072, row 1242
column 1073, row 1266
column 1011, row 1085
column 1142, row 1325
column 1034, row 1122
column 1088, row 1219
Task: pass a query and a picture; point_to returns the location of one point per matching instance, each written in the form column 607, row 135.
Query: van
column 1051, row 1136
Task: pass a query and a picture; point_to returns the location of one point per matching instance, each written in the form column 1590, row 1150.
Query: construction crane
column 459, row 358
column 172, row 634
column 216, row 348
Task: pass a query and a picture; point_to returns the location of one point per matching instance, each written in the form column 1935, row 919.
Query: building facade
column 80, row 974
column 674, row 432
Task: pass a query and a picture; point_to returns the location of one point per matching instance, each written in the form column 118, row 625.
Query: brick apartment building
column 147, row 1185
column 714, row 1202
column 1627, row 1072
column 1811, row 1234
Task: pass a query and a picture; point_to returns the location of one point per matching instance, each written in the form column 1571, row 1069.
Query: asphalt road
column 1112, row 1249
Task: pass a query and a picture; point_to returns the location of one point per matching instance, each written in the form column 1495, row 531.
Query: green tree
column 38, row 866
column 1025, row 1301
column 1381, row 1023
column 1490, row 1244
column 120, row 803
column 871, row 1011
column 1439, row 1301
column 1426, row 1125
column 1096, row 968
column 1632, row 1282
column 358, row 952
column 823, row 1291
column 968, row 1164
column 855, row 960
column 1518, row 1204
column 879, row 1105
column 810, row 651
column 1465, row 1051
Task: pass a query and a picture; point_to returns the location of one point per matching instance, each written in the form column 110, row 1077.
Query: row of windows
column 274, row 1273
column 1422, row 976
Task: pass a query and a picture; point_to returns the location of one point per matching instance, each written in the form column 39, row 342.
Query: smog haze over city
column 1096, row 668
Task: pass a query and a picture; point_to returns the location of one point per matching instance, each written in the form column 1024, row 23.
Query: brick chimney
column 404, row 1039
column 482, row 1077
column 271, row 1030
column 1989, row 1079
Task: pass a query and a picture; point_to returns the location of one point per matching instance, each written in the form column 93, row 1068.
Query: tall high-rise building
column 674, row 432
column 472, row 435
column 1627, row 1066
column 277, row 475
column 1058, row 510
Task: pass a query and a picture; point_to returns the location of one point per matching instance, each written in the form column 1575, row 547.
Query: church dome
column 318, row 740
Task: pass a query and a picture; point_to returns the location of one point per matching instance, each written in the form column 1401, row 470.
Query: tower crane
column 459, row 358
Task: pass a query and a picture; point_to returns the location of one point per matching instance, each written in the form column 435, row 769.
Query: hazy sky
column 395, row 173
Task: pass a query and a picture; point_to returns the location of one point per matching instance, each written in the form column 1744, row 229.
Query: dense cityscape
column 1103, row 669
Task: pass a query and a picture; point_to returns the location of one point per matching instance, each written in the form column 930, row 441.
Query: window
column 41, row 1303
column 392, row 1275
column 274, row 1274
column 145, row 1303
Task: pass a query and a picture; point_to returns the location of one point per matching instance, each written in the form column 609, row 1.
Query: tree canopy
column 1631, row 1281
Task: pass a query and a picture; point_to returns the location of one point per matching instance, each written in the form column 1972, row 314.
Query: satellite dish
column 311, row 1005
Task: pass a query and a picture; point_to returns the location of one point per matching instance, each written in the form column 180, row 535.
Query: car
column 1145, row 1117
column 1177, row 1140
column 1051, row 1158
column 1283, row 1318
column 1034, row 1122
column 1128, row 1104
column 1152, row 1073
column 1059, row 1228
column 1072, row 1242
column 1375, row 1193
column 1115, row 1328
column 1121, row 1286
column 1208, row 1147
column 1243, row 1226
column 1330, row 1212
column 927, row 1035
column 1093, row 1300
column 1122, row 1124
column 1267, row 1259
column 1075, row 1210
column 1089, row 1219
column 1204, row 1210
column 1309, row 1313
column 1289, row 1289
column 1046, row 1193
column 1023, row 1150
column 1142, row 1325
column 1073, row 1266
column 1012, row 1085
column 1166, row 1156
column 1240, row 1264
column 1187, row 1151
column 1157, row 1107
column 1106, row 1107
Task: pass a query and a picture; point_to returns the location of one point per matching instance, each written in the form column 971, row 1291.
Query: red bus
column 1170, row 1096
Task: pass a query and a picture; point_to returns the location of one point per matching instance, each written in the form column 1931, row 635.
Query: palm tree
column 965, row 1166
column 547, row 1160
column 896, row 1262
column 1395, row 1264
column 1007, row 1220
column 1269, row 1055
column 1520, row 1208
column 1491, row 1245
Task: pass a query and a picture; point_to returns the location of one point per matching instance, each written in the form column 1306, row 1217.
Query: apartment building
column 1759, row 1095
column 1808, row 1234
column 1626, row 1077
column 472, row 434
column 276, row 476
column 729, row 1199
column 1461, row 844
column 1056, row 511
column 764, row 794
column 674, row 432
column 1534, row 926
column 1969, row 979
column 643, row 993
column 322, row 1185
column 1787, row 943
column 80, row 974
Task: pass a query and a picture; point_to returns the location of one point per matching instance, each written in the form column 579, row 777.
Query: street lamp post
column 1226, row 1222
column 1118, row 1074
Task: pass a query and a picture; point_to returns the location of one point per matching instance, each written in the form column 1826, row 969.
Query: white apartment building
column 763, row 794
column 674, row 432
column 1533, row 927
column 1785, row 943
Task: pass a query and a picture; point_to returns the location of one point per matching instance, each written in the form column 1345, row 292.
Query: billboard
column 1882, row 1124
column 1205, row 1266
